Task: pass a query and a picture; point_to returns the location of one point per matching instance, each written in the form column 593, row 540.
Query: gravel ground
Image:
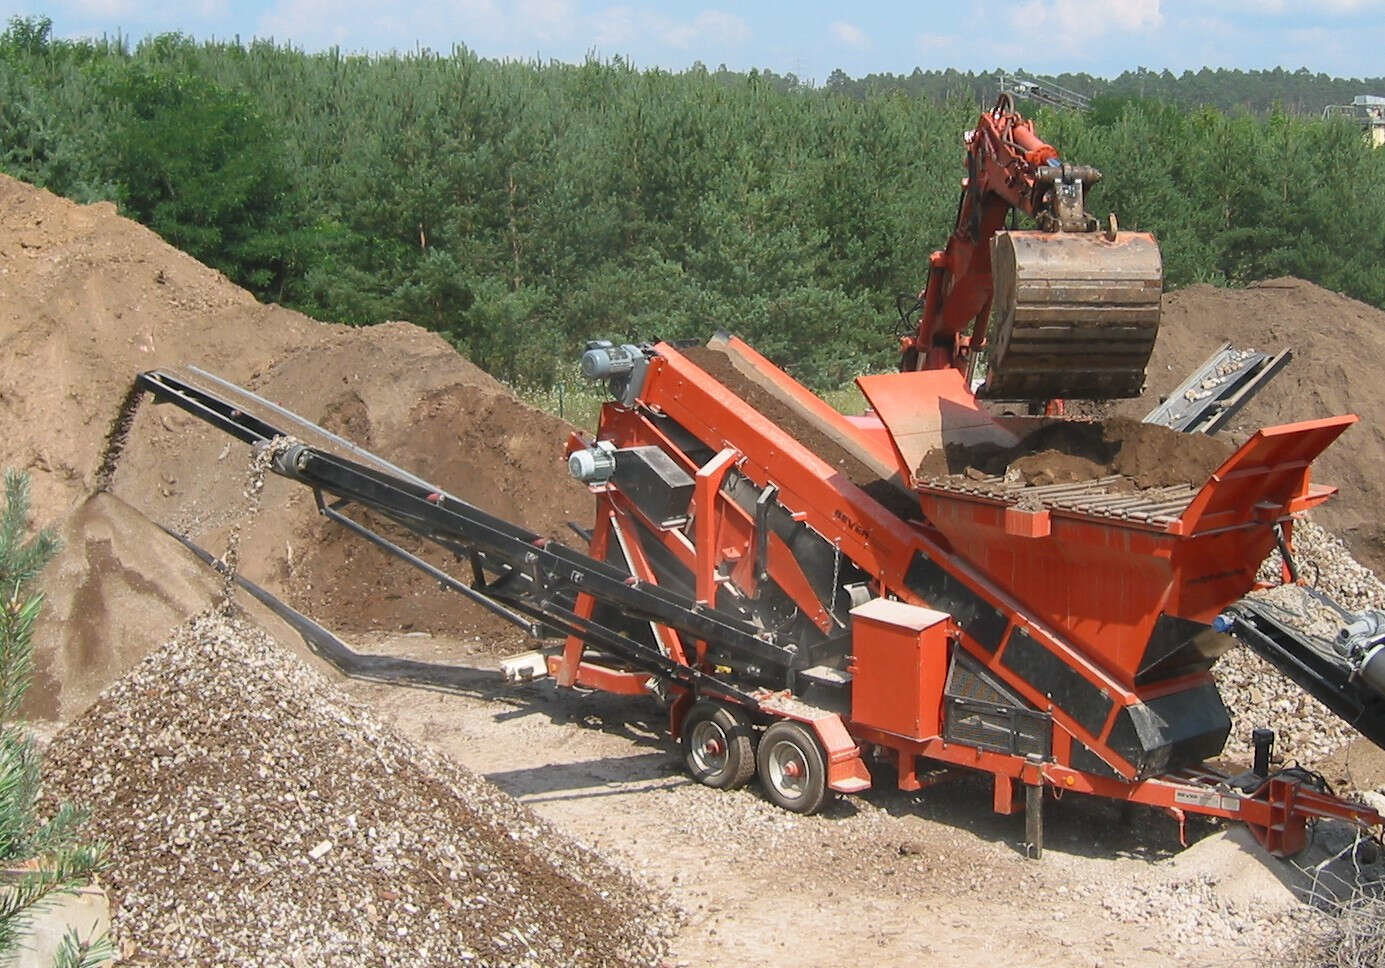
column 249, row 802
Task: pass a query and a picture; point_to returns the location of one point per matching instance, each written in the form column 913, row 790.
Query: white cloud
column 1324, row 42
column 310, row 23
column 1277, row 7
column 850, row 35
column 315, row 24
column 1070, row 23
column 547, row 28
column 931, row 43
column 709, row 26
column 614, row 27
column 546, row 20
column 623, row 26
column 103, row 8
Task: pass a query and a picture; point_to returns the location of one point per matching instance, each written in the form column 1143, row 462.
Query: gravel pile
column 1195, row 910
column 1324, row 562
column 1256, row 693
column 259, row 816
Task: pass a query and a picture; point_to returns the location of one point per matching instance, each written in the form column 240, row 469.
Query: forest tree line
column 1300, row 92
column 522, row 208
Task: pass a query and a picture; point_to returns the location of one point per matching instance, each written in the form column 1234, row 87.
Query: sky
column 809, row 38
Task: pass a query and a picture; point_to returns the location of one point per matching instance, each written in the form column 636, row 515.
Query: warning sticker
column 1207, row 798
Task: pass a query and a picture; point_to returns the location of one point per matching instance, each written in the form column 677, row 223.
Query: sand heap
column 247, row 802
column 87, row 300
column 1339, row 350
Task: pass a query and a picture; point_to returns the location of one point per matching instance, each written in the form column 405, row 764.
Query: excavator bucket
column 1073, row 315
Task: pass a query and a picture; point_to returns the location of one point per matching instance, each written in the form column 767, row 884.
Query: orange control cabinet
column 899, row 666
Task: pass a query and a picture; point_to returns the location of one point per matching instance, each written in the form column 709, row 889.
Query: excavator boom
column 1069, row 309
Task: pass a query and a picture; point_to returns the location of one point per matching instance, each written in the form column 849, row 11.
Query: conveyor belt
column 195, row 382
column 1310, row 663
column 537, row 578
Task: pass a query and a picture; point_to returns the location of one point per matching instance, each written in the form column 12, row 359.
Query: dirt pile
column 88, row 299
column 249, row 801
column 1067, row 451
column 1339, row 351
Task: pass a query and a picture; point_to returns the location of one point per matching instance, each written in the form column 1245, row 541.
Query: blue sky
column 810, row 38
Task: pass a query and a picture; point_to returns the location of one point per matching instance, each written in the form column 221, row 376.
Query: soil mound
column 1339, row 351
column 116, row 588
column 1067, row 451
column 248, row 800
column 88, row 299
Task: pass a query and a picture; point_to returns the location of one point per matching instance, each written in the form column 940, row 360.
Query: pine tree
column 60, row 862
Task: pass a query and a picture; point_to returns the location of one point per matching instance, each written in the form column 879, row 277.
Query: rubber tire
column 801, row 738
column 740, row 747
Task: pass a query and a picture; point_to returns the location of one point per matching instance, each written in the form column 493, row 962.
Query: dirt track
column 885, row 879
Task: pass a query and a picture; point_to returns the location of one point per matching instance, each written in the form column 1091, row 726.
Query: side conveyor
column 1326, row 676
column 536, row 579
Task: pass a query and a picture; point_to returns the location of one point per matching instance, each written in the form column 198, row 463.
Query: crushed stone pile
column 1326, row 563
column 1256, row 693
column 248, row 802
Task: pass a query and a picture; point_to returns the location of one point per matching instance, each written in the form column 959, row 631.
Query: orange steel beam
column 566, row 671
column 868, row 533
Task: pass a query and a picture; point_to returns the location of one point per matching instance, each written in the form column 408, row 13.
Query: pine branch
column 75, row 953
column 21, row 559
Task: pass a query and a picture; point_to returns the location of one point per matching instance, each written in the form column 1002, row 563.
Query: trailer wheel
column 717, row 745
column 793, row 768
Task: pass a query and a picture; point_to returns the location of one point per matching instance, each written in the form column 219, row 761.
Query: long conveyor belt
column 535, row 579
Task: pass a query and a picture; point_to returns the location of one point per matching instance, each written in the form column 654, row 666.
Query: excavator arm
column 1068, row 309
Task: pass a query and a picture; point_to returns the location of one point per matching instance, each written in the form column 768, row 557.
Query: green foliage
column 200, row 165
column 21, row 557
column 520, row 209
column 75, row 953
column 61, row 861
column 1260, row 92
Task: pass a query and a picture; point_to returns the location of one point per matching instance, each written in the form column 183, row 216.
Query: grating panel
column 979, row 711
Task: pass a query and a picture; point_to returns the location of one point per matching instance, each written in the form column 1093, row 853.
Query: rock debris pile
column 1256, row 693
column 1196, row 909
column 249, row 802
column 1325, row 563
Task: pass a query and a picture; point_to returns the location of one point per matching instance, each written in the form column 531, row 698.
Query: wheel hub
column 709, row 747
column 787, row 769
